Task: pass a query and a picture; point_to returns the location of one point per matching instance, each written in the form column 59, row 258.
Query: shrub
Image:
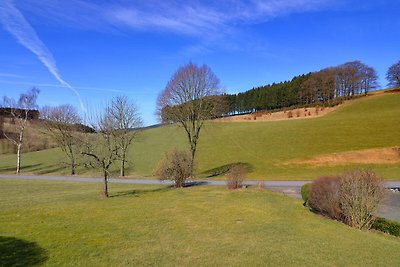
column 290, row 114
column 360, row 194
column 175, row 166
column 324, row 196
column 387, row 226
column 236, row 176
column 298, row 113
column 261, row 185
column 351, row 198
column 305, row 190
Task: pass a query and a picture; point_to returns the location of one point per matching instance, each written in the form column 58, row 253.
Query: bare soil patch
column 389, row 155
column 292, row 114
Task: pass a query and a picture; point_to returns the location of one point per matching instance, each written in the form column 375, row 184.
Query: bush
column 324, row 196
column 351, row 198
column 236, row 176
column 360, row 194
column 387, row 226
column 305, row 190
column 175, row 166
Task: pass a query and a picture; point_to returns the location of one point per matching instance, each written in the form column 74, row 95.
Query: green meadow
column 69, row 224
column 267, row 148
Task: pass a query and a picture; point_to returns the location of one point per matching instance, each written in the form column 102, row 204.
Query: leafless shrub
column 297, row 113
column 236, row 176
column 261, row 185
column 360, row 193
column 290, row 114
column 324, row 196
column 175, row 166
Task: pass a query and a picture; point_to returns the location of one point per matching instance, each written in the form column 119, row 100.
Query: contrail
column 14, row 22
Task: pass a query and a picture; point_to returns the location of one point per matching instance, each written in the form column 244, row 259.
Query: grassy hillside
column 268, row 148
column 49, row 223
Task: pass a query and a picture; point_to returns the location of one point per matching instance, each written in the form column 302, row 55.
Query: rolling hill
column 360, row 133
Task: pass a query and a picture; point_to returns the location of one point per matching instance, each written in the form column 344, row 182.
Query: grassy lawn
column 266, row 147
column 65, row 223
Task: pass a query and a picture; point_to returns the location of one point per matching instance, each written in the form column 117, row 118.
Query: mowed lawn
column 267, row 148
column 69, row 224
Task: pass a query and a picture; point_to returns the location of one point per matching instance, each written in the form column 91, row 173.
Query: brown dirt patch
column 300, row 113
column 368, row 156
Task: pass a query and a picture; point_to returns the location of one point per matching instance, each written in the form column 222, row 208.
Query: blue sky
column 85, row 52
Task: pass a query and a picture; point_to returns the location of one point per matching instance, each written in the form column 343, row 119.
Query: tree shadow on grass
column 23, row 167
column 224, row 169
column 138, row 192
column 18, row 252
column 52, row 169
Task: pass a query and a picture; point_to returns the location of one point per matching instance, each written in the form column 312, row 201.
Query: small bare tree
column 190, row 99
column 102, row 147
column 63, row 123
column 126, row 118
column 20, row 112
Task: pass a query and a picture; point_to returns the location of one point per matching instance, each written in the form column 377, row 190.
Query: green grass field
column 69, row 224
column 369, row 122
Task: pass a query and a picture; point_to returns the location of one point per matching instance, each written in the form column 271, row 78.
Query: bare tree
column 188, row 99
column 393, row 75
column 126, row 118
column 102, row 147
column 63, row 123
column 20, row 112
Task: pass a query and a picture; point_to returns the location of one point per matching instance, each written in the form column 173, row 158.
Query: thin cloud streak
column 14, row 22
column 11, row 75
column 61, row 86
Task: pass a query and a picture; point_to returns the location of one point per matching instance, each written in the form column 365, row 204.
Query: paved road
column 277, row 184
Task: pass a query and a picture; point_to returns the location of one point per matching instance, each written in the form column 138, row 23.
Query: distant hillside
column 289, row 149
column 326, row 87
column 35, row 137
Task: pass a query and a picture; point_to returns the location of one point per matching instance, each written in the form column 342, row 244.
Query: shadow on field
column 48, row 170
column 18, row 252
column 224, row 169
column 23, row 167
column 138, row 192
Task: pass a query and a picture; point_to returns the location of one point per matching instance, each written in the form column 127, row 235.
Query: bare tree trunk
column 72, row 161
column 122, row 173
column 19, row 145
column 72, row 166
column 105, row 188
column 19, row 158
column 193, row 152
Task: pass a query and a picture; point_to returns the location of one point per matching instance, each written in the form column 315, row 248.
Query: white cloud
column 14, row 22
column 195, row 18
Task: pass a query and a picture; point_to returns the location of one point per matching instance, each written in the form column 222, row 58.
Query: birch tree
column 20, row 112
